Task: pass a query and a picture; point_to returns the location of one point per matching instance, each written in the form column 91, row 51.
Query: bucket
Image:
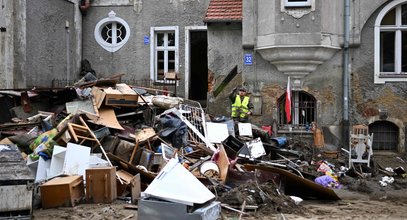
column 281, row 141
column 210, row 169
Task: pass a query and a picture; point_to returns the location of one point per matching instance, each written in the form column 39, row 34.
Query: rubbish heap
column 102, row 140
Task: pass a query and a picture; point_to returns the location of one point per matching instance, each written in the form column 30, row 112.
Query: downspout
column 346, row 74
column 84, row 6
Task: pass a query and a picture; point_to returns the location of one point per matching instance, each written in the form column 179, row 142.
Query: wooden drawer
column 62, row 191
column 101, row 185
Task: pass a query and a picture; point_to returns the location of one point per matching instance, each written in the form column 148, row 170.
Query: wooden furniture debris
column 101, row 185
column 142, row 136
column 80, row 133
column 146, row 177
column 16, row 183
column 121, row 95
column 361, row 145
column 296, row 185
column 62, row 191
column 223, row 163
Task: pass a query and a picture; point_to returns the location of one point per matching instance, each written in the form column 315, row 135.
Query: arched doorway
column 385, row 135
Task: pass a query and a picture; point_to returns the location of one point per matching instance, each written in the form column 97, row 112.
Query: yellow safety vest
column 240, row 108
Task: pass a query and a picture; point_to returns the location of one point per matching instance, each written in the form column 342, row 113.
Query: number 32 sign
column 248, row 59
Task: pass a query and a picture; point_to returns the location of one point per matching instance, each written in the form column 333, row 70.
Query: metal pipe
column 346, row 72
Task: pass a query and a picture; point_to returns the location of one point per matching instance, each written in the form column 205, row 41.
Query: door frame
column 188, row 30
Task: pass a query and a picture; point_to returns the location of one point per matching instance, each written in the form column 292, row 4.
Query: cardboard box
column 101, row 185
column 121, row 95
column 62, row 191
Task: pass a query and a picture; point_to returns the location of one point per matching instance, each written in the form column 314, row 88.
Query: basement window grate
column 385, row 135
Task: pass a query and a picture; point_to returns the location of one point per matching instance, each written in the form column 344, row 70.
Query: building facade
column 311, row 42
column 202, row 41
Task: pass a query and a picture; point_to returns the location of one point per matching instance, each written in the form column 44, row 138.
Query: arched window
column 391, row 43
column 385, row 135
column 303, row 110
column 112, row 32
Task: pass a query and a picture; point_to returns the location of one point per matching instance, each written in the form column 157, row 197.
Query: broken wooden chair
column 80, row 133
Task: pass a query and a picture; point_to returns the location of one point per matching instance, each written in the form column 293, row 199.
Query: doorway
column 196, row 64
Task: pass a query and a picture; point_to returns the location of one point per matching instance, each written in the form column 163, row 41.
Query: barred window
column 303, row 110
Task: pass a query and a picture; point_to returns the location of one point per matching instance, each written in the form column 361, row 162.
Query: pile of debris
column 102, row 140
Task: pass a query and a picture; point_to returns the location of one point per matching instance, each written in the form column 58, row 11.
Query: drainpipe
column 84, row 6
column 346, row 74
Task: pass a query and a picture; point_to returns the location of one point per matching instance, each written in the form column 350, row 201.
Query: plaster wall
column 224, row 53
column 133, row 59
column 51, row 42
column 322, row 25
column 373, row 101
column 12, row 44
column 6, row 45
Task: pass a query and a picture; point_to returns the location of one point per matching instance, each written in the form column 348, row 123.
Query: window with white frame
column 391, row 43
column 112, row 32
column 297, row 3
column 303, row 111
column 164, row 52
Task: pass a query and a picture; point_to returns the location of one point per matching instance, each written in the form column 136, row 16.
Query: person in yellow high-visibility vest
column 241, row 105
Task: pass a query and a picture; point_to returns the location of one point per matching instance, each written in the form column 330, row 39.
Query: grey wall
column 133, row 59
column 270, row 25
column 50, row 44
column 224, row 53
column 12, row 44
column 369, row 101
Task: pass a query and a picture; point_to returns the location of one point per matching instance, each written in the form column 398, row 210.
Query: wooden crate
column 101, row 185
column 62, row 191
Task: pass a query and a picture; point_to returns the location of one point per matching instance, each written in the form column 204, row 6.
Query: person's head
column 242, row 91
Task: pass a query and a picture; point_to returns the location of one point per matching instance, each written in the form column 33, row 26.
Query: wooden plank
column 144, row 134
column 125, row 176
column 147, row 175
column 98, row 95
column 298, row 186
column 223, row 163
column 135, row 188
column 134, row 152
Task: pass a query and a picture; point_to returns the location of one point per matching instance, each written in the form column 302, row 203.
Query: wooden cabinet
column 62, row 191
column 101, row 185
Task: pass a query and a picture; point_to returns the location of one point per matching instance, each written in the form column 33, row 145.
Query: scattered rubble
column 102, row 140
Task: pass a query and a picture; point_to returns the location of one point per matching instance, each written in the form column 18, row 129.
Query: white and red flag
column 288, row 102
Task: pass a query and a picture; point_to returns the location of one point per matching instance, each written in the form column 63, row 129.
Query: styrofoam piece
column 57, row 161
column 245, row 129
column 297, row 200
column 256, row 148
column 76, row 159
column 175, row 183
column 217, row 132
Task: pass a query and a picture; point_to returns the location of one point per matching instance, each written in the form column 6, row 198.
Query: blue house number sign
column 248, row 59
column 146, row 40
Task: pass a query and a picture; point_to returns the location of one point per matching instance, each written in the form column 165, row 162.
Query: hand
column 249, row 113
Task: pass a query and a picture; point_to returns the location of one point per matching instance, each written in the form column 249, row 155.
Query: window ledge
column 294, row 132
column 393, row 75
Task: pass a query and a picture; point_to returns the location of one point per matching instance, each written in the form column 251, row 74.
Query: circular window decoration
column 112, row 32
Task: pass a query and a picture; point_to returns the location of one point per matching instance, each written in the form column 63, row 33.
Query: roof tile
column 224, row 10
